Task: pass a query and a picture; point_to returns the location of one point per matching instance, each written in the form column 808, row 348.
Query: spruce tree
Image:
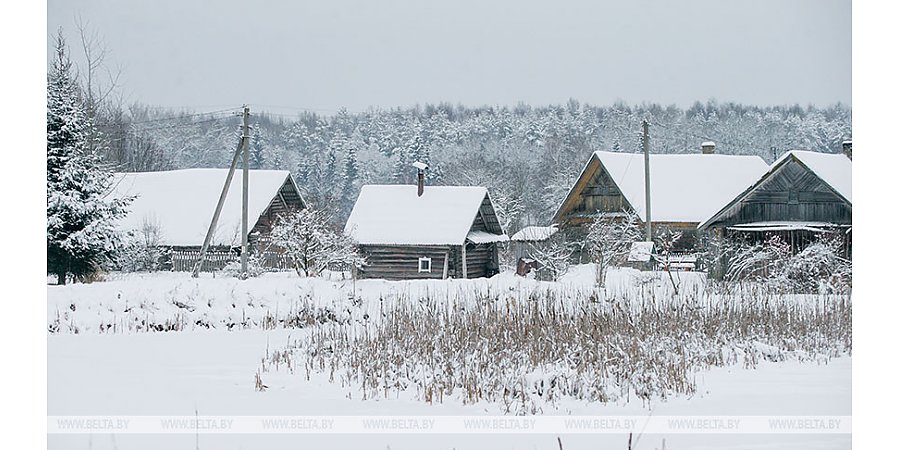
column 80, row 220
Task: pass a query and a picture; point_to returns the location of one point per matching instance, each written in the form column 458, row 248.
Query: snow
column 640, row 251
column 483, row 237
column 211, row 373
column 833, row 168
column 182, row 202
column 396, row 215
column 817, row 227
column 535, row 234
column 683, row 187
column 208, row 370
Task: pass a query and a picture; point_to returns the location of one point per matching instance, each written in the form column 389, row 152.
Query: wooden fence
column 183, row 260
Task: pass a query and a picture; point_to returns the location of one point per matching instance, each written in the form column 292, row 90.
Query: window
column 793, row 198
column 424, row 264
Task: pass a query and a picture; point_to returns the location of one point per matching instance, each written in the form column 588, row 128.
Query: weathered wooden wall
column 791, row 194
column 598, row 193
column 401, row 262
column 480, row 260
column 288, row 199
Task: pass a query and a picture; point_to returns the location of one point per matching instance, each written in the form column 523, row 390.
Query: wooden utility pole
column 646, row 145
column 242, row 147
column 245, row 194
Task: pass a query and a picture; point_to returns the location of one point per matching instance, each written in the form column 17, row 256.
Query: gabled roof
column 535, row 233
column 834, row 169
column 396, row 215
column 683, row 187
column 182, row 202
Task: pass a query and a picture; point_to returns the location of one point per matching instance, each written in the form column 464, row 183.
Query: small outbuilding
column 434, row 232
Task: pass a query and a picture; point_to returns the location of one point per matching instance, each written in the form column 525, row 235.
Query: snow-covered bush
column 255, row 267
column 609, row 240
column 760, row 261
column 141, row 251
column 311, row 245
column 554, row 257
column 819, row 266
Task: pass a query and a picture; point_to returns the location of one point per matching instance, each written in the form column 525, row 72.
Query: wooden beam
column 465, row 270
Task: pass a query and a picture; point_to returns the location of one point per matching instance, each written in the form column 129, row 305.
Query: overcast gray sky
column 324, row 55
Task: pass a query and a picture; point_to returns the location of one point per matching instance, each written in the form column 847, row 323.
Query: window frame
column 424, row 259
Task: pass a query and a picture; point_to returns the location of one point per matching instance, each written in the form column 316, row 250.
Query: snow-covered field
column 106, row 357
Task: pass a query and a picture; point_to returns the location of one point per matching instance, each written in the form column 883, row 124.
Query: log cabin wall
column 401, row 262
column 480, row 260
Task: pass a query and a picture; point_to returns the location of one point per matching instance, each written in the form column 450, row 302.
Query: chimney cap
column 708, row 144
column 420, row 165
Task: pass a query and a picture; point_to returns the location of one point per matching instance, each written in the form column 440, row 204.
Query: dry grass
column 528, row 354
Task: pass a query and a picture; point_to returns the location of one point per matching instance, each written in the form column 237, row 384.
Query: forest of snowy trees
column 528, row 156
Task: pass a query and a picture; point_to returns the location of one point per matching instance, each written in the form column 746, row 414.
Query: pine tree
column 258, row 153
column 80, row 221
column 351, row 174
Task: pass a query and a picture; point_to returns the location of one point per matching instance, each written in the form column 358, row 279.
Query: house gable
column 286, row 200
column 791, row 192
column 594, row 191
column 486, row 218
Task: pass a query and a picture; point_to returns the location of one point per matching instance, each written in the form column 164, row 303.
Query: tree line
column 528, row 156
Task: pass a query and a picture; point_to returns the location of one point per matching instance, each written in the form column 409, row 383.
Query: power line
column 182, row 125
column 184, row 116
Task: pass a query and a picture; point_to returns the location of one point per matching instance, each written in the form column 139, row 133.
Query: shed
column 448, row 231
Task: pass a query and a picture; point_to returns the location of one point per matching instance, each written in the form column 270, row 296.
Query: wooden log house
column 178, row 206
column 435, row 232
column 801, row 197
column 685, row 189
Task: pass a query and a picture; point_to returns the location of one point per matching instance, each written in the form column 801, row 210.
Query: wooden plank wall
column 401, row 262
column 288, row 200
column 479, row 259
column 594, row 192
column 792, row 193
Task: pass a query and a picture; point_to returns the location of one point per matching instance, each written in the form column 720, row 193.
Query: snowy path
column 212, row 372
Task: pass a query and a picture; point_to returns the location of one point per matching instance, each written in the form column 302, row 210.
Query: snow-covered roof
column 483, row 237
column 683, row 187
column 182, row 202
column 833, row 168
column 396, row 215
column 785, row 226
column 534, row 234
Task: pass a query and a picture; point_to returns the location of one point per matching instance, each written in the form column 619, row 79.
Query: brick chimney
column 708, row 148
column 848, row 148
